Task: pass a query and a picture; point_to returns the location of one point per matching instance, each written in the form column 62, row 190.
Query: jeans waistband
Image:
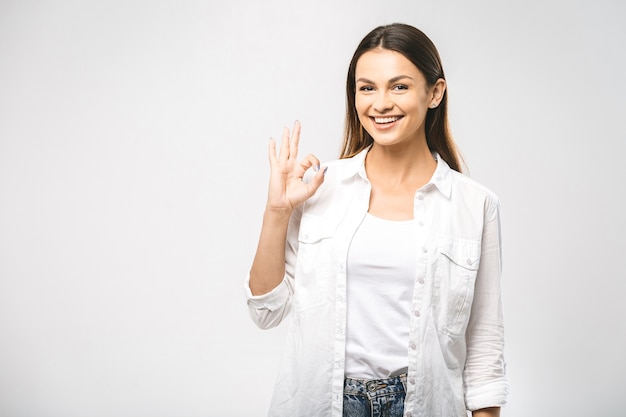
column 363, row 386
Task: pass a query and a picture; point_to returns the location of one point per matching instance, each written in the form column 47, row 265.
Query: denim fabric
column 374, row 397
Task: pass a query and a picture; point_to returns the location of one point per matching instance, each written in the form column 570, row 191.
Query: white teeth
column 385, row 119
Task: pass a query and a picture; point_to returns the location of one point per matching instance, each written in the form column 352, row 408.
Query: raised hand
column 287, row 190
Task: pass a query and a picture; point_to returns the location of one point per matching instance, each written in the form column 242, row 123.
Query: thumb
column 317, row 180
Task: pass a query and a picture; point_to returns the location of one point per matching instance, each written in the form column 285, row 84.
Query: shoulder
column 470, row 190
column 467, row 184
column 343, row 183
column 337, row 171
column 340, row 169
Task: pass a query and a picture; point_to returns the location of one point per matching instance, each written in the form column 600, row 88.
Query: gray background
column 133, row 173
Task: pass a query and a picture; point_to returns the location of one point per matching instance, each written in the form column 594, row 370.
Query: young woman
column 388, row 259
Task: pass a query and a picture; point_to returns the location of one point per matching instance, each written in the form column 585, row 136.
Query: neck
column 411, row 165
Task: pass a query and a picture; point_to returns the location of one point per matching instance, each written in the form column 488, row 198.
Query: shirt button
column 469, row 261
column 421, row 281
column 413, row 346
column 412, row 380
column 420, row 197
column 409, row 414
column 416, row 313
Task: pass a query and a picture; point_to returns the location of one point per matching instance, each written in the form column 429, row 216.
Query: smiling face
column 392, row 97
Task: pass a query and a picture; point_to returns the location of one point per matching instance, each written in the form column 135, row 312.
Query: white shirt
column 456, row 339
column 380, row 281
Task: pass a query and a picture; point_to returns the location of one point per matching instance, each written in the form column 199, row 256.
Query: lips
column 384, row 123
column 385, row 120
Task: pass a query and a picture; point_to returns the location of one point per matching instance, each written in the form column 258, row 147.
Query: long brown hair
column 420, row 50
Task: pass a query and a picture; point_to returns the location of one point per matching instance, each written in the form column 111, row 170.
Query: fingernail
column 325, row 169
column 316, row 168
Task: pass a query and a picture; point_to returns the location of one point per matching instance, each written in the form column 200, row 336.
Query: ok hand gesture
column 287, row 190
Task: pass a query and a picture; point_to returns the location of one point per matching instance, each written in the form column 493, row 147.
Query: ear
column 437, row 91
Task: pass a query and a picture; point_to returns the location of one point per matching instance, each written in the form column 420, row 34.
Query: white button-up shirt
column 455, row 347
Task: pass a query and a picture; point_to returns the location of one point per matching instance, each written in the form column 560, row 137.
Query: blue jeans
column 374, row 397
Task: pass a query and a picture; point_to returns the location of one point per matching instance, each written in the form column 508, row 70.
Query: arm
column 486, row 387
column 268, row 267
column 286, row 192
column 487, row 412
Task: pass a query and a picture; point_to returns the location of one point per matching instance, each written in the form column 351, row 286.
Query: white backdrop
column 133, row 171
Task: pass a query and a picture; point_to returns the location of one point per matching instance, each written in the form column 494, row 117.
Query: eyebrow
column 391, row 80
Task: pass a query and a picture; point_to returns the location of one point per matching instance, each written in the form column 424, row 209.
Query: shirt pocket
column 457, row 267
column 313, row 266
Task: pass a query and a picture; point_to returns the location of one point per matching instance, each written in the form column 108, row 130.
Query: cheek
column 416, row 109
column 359, row 105
column 361, row 110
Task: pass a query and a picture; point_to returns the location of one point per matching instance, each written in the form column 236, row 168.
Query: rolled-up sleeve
column 268, row 310
column 484, row 375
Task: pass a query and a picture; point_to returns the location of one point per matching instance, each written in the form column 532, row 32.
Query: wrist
column 276, row 215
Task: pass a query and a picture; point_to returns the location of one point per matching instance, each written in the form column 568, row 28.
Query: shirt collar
column 355, row 165
column 442, row 177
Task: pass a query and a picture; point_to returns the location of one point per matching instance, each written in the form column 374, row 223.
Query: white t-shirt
column 381, row 273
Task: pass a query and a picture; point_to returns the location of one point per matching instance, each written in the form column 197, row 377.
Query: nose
column 382, row 103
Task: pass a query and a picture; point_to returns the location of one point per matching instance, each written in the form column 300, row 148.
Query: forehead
column 383, row 64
